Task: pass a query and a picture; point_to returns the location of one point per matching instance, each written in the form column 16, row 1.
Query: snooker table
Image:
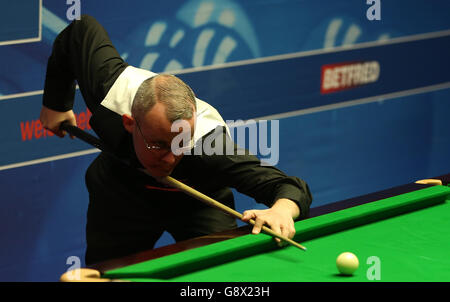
column 401, row 234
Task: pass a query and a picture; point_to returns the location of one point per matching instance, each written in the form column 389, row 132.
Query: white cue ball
column 347, row 263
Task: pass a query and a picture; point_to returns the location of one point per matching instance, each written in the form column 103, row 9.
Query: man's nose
column 168, row 158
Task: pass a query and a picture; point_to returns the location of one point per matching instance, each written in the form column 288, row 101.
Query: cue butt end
column 82, row 275
column 434, row 182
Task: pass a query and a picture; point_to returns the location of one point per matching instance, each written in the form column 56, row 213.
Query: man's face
column 155, row 130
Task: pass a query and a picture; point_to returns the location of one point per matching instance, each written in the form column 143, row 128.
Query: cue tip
column 301, row 246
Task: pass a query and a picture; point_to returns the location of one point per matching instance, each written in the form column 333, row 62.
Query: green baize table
column 401, row 238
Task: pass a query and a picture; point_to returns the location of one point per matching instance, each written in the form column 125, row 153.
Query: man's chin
column 159, row 173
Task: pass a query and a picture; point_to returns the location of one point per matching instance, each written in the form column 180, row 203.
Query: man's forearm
column 59, row 88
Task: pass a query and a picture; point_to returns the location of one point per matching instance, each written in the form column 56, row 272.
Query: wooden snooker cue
column 94, row 141
column 208, row 200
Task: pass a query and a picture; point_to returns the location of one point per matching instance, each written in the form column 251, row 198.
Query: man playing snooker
column 133, row 111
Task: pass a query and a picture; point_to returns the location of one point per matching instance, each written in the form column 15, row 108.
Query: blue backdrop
column 250, row 59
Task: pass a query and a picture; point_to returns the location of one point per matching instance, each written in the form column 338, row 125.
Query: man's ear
column 128, row 122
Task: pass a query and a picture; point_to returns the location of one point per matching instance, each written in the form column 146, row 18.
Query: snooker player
column 132, row 113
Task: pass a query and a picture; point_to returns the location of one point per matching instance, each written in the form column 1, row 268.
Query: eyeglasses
column 164, row 148
column 153, row 147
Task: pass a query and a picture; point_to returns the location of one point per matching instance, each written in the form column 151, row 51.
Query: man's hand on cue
column 280, row 218
column 51, row 120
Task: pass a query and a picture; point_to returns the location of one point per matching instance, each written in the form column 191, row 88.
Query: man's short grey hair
column 169, row 90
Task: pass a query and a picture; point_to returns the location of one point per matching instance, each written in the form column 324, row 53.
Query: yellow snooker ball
column 347, row 263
